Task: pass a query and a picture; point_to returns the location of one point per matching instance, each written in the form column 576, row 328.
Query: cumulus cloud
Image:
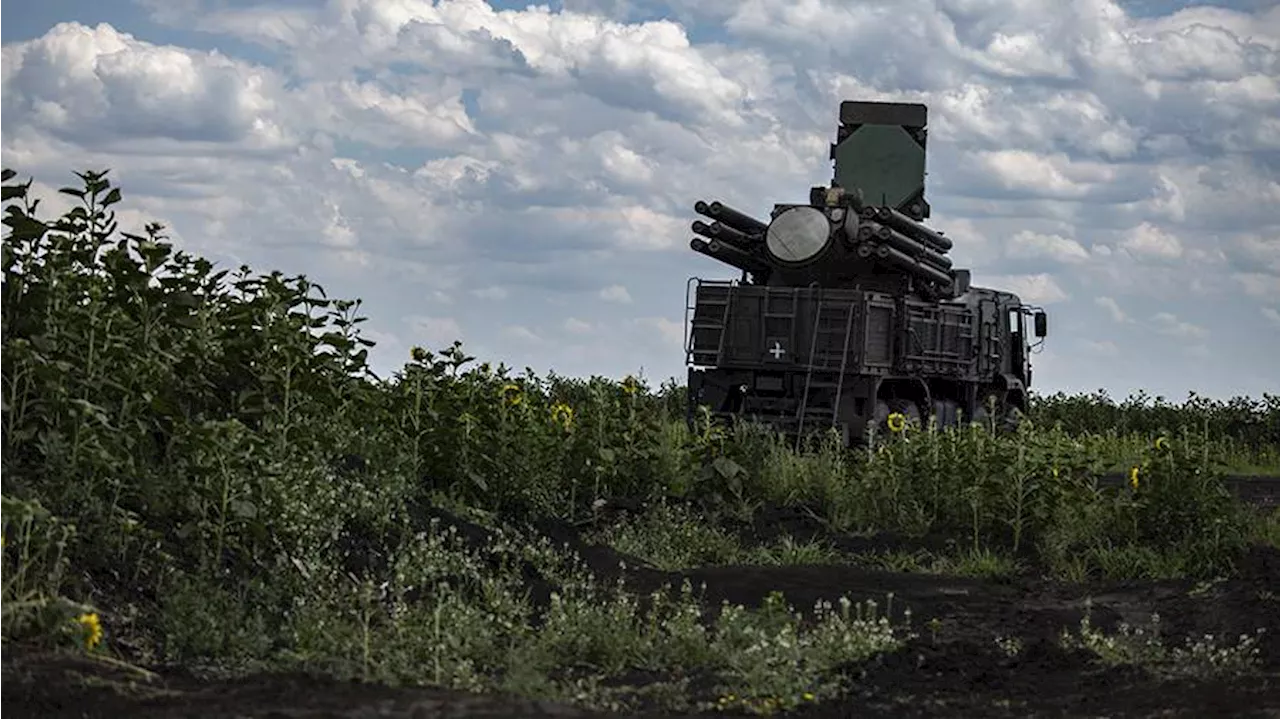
column 576, row 326
column 455, row 162
column 102, row 88
column 1027, row 244
column 1260, row 285
column 1112, row 308
column 1148, row 241
column 670, row 331
column 617, row 294
column 1039, row 288
column 1169, row 324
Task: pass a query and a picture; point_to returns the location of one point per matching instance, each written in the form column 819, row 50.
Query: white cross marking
column 777, row 351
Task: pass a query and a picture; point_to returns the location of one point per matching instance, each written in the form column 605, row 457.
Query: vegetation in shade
column 198, row 465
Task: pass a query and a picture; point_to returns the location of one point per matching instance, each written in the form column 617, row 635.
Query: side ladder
column 692, row 325
column 828, row 376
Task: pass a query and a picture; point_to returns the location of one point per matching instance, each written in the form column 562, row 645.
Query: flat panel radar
column 798, row 235
column 880, row 149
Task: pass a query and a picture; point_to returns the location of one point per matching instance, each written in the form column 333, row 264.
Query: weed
column 1200, row 657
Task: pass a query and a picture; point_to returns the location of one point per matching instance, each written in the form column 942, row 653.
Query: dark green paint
column 884, row 161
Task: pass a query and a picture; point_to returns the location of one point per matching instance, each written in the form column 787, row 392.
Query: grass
column 199, row 467
column 1203, row 657
column 671, row 537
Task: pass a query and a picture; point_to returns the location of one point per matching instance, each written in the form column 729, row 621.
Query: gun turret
column 865, row 229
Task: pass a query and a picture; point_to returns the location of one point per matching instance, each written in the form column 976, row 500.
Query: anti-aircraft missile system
column 849, row 309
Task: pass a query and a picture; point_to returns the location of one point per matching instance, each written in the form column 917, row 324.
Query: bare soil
column 956, row 671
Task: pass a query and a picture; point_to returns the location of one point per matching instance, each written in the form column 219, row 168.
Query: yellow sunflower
column 562, row 414
column 512, row 394
column 91, row 628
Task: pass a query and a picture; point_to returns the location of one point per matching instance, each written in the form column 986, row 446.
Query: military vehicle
column 848, row 309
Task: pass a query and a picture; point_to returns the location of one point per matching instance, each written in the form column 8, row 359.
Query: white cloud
column 1148, row 241
column 1027, row 244
column 576, row 326
column 1259, row 285
column 617, row 294
column 1256, row 252
column 670, row 331
column 369, row 113
column 1037, row 288
column 1169, row 324
column 422, row 155
column 104, row 88
column 1113, row 308
column 1053, row 176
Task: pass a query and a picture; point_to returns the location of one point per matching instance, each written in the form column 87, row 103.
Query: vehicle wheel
column 982, row 413
column 946, row 413
column 1011, row 419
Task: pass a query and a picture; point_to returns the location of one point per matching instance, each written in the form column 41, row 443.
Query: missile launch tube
column 721, row 231
column 737, row 220
column 920, row 270
column 911, row 228
column 908, row 246
column 730, row 255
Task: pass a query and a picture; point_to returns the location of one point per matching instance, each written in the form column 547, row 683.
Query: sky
column 521, row 178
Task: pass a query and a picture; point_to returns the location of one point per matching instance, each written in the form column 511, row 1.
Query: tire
column 1011, row 419
column 981, row 415
column 946, row 413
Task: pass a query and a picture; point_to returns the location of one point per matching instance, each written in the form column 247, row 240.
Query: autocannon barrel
column 908, row 246
column 730, row 255
column 911, row 228
column 720, row 231
column 737, row 220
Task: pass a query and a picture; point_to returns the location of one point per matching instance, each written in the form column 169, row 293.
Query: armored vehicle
column 848, row 308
